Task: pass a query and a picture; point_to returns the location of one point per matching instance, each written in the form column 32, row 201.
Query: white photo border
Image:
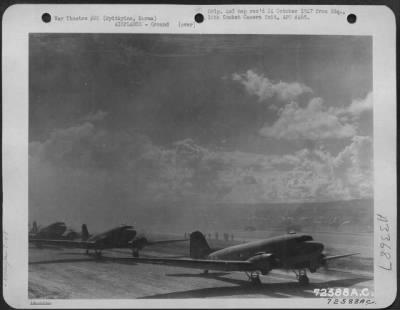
column 21, row 20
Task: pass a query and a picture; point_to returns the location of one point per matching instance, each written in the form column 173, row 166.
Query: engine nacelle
column 262, row 262
column 317, row 263
column 129, row 234
column 139, row 243
column 314, row 265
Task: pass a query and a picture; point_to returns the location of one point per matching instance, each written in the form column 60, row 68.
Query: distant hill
column 340, row 216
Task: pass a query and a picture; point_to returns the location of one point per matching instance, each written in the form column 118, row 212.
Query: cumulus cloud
column 316, row 121
column 60, row 142
column 356, row 108
column 85, row 146
column 354, row 166
column 86, row 165
column 95, row 116
column 361, row 105
column 312, row 122
column 262, row 87
column 306, row 175
column 131, row 161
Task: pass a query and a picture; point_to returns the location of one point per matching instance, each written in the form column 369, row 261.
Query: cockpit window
column 304, row 238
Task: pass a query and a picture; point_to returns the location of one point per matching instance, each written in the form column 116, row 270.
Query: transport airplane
column 296, row 252
column 54, row 230
column 123, row 236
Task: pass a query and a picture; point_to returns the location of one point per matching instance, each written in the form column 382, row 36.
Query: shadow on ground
column 87, row 258
column 244, row 287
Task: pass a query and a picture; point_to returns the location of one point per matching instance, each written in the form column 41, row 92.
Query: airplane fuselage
column 289, row 251
column 55, row 230
column 115, row 238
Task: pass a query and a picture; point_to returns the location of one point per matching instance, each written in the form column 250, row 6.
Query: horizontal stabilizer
column 206, row 264
column 166, row 241
column 66, row 243
column 339, row 256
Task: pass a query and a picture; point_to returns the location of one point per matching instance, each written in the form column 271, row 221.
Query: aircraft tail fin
column 199, row 247
column 85, row 232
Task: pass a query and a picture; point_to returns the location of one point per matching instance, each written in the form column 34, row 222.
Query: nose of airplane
column 315, row 246
column 319, row 246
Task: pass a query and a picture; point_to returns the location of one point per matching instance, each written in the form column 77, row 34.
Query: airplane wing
column 326, row 258
column 166, row 241
column 206, row 264
column 66, row 243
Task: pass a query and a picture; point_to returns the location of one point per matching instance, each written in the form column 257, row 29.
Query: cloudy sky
column 117, row 119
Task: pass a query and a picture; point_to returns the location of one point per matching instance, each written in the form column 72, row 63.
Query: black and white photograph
column 154, row 158
column 241, row 162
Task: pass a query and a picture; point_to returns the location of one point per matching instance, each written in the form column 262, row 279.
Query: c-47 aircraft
column 296, row 252
column 54, row 230
column 123, row 236
column 57, row 230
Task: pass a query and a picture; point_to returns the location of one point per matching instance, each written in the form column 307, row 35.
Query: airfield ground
column 69, row 273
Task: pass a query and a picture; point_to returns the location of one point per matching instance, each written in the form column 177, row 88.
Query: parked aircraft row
column 56, row 230
column 120, row 237
column 295, row 252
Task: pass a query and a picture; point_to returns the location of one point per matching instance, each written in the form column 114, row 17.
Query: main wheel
column 256, row 281
column 303, row 280
column 98, row 253
column 135, row 253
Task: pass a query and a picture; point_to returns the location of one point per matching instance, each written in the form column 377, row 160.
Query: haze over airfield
column 116, row 120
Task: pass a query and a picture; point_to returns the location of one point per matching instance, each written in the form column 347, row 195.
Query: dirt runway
column 69, row 273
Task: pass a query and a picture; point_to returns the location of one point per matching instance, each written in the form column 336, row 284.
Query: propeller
column 138, row 243
column 323, row 259
column 323, row 262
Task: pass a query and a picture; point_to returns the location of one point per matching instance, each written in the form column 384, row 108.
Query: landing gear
column 135, row 252
column 301, row 276
column 254, row 278
column 303, row 280
column 97, row 253
column 205, row 271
